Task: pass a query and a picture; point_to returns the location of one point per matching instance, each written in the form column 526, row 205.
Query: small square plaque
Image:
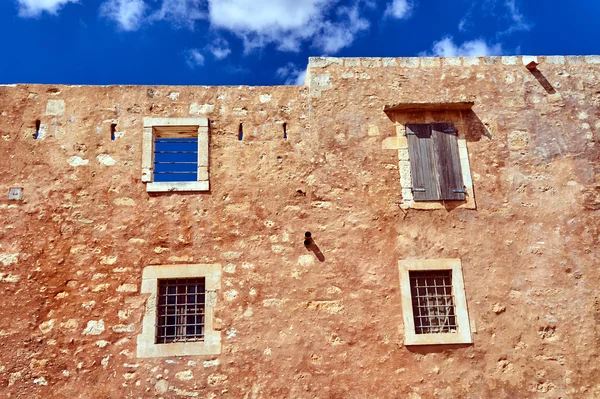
column 15, row 193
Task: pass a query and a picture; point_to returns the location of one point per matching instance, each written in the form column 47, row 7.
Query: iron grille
column 432, row 301
column 175, row 159
column 181, row 309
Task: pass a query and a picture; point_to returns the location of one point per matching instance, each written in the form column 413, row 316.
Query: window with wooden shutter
column 435, row 162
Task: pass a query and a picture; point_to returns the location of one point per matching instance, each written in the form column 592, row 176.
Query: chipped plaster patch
column 319, row 83
column 264, row 98
column 518, row 140
column 9, row 278
column 210, row 363
column 77, row 161
column 124, row 201
column 127, row 288
column 306, row 260
column 331, row 307
column 231, row 295
column 184, row 375
column 106, row 159
column 201, row 109
column 55, row 107
column 94, row 327
column 108, row 260
column 47, row 326
column 9, row 259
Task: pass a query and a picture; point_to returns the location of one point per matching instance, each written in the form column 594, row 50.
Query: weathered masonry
column 153, row 240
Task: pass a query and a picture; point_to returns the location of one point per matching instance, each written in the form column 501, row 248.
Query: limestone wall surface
column 295, row 324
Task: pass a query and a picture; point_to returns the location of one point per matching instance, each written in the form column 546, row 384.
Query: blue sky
column 267, row 42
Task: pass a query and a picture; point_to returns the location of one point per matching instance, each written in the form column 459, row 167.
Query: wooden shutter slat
column 422, row 163
column 447, row 161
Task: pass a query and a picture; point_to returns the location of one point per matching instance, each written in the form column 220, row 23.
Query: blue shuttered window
column 175, row 159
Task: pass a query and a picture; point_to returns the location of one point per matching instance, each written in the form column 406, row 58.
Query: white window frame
column 154, row 127
column 463, row 335
column 146, row 341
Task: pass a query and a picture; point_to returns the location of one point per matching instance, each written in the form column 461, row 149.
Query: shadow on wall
column 465, row 121
column 426, row 349
column 541, row 79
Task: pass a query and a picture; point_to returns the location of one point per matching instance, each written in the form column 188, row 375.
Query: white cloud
column 194, row 58
column 288, row 23
column 219, row 48
column 399, row 9
column 518, row 22
column 181, row 12
column 508, row 17
column 335, row 36
column 128, row 14
column 292, row 75
column 473, row 48
column 34, row 8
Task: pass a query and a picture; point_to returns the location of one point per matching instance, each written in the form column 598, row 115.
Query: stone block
column 492, row 60
column 55, row 107
column 409, row 62
column 518, row 140
column 555, row 60
column 592, row 59
column 452, row 61
column 575, row 60
column 388, row 62
column 431, row 62
column 322, row 62
column 371, row 62
column 352, row 62
column 201, row 109
column 470, row 61
column 510, row 60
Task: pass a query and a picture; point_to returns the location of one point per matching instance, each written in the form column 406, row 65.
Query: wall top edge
column 173, row 87
column 374, row 62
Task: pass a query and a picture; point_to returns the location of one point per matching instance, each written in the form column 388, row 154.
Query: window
column 434, row 162
column 175, row 154
column 179, row 311
column 433, row 302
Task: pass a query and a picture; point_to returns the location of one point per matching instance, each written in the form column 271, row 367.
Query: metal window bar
column 433, row 305
column 181, row 310
column 175, row 159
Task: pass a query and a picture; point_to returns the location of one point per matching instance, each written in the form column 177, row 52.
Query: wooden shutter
column 451, row 186
column 422, row 163
column 435, row 162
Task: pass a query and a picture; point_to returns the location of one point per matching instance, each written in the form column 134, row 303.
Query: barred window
column 181, row 310
column 433, row 302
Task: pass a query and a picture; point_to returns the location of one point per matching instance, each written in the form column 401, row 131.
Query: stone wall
column 295, row 324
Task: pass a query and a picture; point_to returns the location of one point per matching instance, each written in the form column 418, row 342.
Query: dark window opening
column 175, row 159
column 241, row 132
column 113, row 130
column 435, row 162
column 38, row 123
column 285, row 131
column 433, row 302
column 181, row 310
